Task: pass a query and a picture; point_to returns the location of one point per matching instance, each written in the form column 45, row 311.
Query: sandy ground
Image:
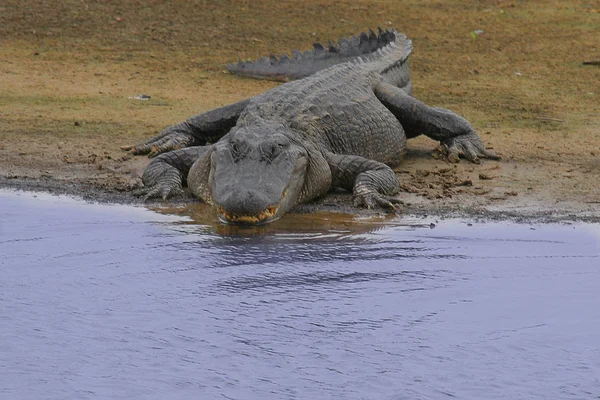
column 69, row 71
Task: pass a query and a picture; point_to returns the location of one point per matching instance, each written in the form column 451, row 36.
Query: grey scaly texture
column 344, row 124
column 303, row 64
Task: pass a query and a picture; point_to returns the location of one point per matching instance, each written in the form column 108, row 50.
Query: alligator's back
column 337, row 106
column 387, row 51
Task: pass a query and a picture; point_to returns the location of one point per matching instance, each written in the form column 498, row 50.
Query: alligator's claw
column 163, row 142
column 468, row 146
column 374, row 199
column 160, row 181
column 161, row 190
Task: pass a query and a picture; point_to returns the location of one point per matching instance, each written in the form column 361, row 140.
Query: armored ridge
column 303, row 64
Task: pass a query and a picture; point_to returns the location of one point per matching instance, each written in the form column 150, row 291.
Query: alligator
column 342, row 121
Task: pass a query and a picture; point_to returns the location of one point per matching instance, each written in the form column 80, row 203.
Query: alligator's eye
column 275, row 149
column 234, row 147
column 271, row 150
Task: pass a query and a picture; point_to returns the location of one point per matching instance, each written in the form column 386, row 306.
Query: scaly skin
column 343, row 126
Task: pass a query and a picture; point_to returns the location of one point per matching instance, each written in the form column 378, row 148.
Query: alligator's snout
column 246, row 207
column 257, row 174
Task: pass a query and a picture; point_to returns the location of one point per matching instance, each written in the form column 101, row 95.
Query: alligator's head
column 257, row 173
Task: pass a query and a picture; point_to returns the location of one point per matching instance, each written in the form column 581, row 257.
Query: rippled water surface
column 113, row 302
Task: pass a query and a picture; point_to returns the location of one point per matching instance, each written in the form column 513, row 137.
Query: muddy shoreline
column 334, row 202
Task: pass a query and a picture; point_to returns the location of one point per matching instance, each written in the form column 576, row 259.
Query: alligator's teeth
column 267, row 214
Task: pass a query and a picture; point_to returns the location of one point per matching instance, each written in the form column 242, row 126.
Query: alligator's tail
column 387, row 46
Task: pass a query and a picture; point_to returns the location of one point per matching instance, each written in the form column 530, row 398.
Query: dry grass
column 68, row 68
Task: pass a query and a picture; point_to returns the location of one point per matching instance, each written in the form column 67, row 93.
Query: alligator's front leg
column 200, row 129
column 453, row 131
column 371, row 181
column 167, row 173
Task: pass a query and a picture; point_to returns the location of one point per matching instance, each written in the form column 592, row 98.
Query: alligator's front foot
column 468, row 146
column 165, row 141
column 372, row 199
column 160, row 191
column 163, row 183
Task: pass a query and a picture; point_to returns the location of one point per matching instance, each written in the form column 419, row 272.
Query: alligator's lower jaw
column 268, row 215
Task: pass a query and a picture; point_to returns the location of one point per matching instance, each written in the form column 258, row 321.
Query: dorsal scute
column 395, row 52
column 385, row 49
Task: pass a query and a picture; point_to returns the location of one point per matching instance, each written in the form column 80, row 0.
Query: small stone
column 481, row 192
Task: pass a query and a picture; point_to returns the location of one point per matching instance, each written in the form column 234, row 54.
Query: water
column 113, row 302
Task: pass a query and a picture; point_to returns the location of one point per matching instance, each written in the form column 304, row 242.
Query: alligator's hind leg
column 371, row 181
column 453, row 131
column 166, row 174
column 200, row 129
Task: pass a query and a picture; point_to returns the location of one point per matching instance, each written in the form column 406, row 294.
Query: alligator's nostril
column 244, row 202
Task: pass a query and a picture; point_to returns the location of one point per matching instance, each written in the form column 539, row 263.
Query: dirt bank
column 69, row 72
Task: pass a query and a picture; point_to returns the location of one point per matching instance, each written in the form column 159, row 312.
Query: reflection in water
column 120, row 302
